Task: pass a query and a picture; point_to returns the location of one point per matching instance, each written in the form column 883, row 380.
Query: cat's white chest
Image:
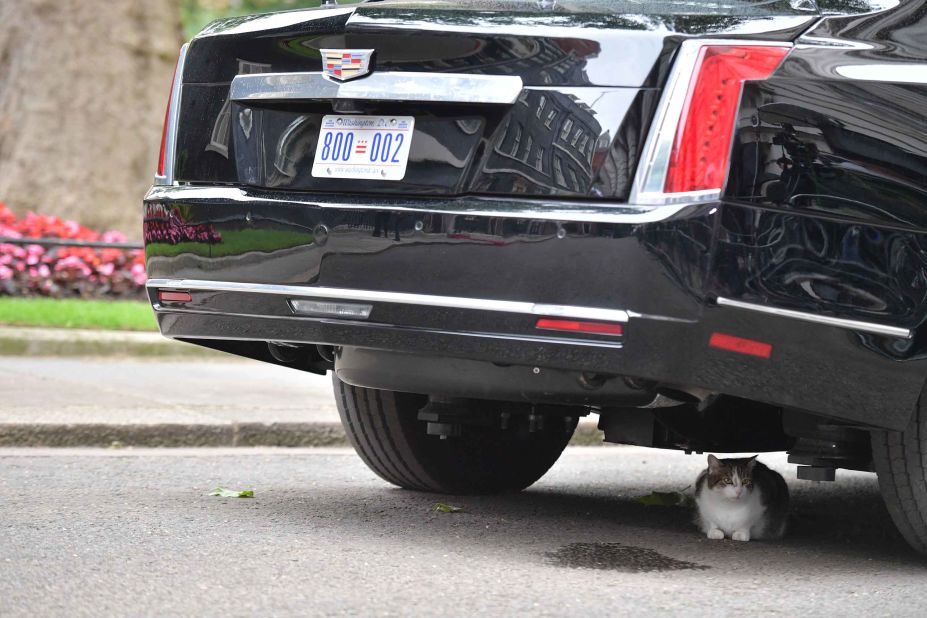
column 729, row 515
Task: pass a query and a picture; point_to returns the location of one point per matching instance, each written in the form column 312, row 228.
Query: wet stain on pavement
column 616, row 557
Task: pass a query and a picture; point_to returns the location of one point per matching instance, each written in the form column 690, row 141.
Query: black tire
column 384, row 430
column 900, row 460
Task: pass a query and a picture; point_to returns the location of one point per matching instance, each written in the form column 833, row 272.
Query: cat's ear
column 750, row 463
column 714, row 464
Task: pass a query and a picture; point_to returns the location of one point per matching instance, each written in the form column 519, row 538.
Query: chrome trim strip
column 892, row 73
column 382, row 86
column 170, row 144
column 868, row 327
column 448, row 302
column 557, row 210
column 817, row 42
column 650, row 177
column 613, row 343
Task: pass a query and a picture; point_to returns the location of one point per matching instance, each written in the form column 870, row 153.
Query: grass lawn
column 75, row 313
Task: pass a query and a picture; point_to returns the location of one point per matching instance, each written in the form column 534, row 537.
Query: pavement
column 68, row 342
column 90, row 388
column 101, row 532
column 109, row 401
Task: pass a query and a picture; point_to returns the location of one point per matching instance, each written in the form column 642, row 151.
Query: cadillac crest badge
column 345, row 64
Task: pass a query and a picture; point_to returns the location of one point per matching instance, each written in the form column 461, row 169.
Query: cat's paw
column 715, row 534
column 741, row 535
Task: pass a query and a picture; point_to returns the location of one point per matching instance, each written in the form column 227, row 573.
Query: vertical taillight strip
column 165, row 172
column 675, row 122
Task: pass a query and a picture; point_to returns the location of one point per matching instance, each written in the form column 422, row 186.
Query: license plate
column 374, row 147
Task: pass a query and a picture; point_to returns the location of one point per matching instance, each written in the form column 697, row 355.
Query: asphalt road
column 123, row 532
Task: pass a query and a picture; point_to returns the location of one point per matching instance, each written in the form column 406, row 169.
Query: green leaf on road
column 666, row 498
column 222, row 492
column 440, row 507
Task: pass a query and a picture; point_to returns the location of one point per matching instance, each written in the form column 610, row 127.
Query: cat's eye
column 748, row 482
column 727, row 481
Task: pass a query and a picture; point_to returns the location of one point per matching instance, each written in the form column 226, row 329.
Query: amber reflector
column 740, row 345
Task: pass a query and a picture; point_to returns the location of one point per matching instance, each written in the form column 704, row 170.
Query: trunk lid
column 590, row 70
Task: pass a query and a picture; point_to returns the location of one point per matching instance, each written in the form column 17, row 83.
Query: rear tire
column 900, row 460
column 384, row 430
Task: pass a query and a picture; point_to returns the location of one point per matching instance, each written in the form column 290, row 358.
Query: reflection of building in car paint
column 808, row 160
column 549, row 142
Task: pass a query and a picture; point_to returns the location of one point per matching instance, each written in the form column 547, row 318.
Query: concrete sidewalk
column 63, row 342
column 99, row 401
column 130, row 401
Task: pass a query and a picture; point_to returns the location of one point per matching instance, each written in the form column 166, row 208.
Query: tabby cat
column 741, row 499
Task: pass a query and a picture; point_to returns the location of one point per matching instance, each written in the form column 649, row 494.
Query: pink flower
column 71, row 228
column 70, row 271
column 113, row 236
column 138, row 274
column 73, row 263
column 14, row 250
column 33, row 258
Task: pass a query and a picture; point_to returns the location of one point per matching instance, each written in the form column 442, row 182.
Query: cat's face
column 732, row 478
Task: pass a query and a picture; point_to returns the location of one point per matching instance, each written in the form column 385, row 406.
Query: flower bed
column 36, row 270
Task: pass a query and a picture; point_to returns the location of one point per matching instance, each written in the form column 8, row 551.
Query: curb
column 183, row 435
column 172, row 435
column 28, row 341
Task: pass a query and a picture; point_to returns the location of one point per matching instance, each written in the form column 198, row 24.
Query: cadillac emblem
column 345, row 64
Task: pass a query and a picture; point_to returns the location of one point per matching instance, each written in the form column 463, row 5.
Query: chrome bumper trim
column 381, row 86
column 868, row 327
column 448, row 302
column 553, row 210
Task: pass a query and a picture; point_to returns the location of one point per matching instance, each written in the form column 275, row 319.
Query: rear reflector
column 329, row 309
column 174, row 297
column 701, row 150
column 593, row 328
column 740, row 345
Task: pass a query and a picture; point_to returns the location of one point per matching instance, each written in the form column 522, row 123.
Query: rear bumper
column 468, row 279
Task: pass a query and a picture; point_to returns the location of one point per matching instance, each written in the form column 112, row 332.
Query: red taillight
column 740, row 345
column 593, row 328
column 174, row 297
column 699, row 158
column 167, row 117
